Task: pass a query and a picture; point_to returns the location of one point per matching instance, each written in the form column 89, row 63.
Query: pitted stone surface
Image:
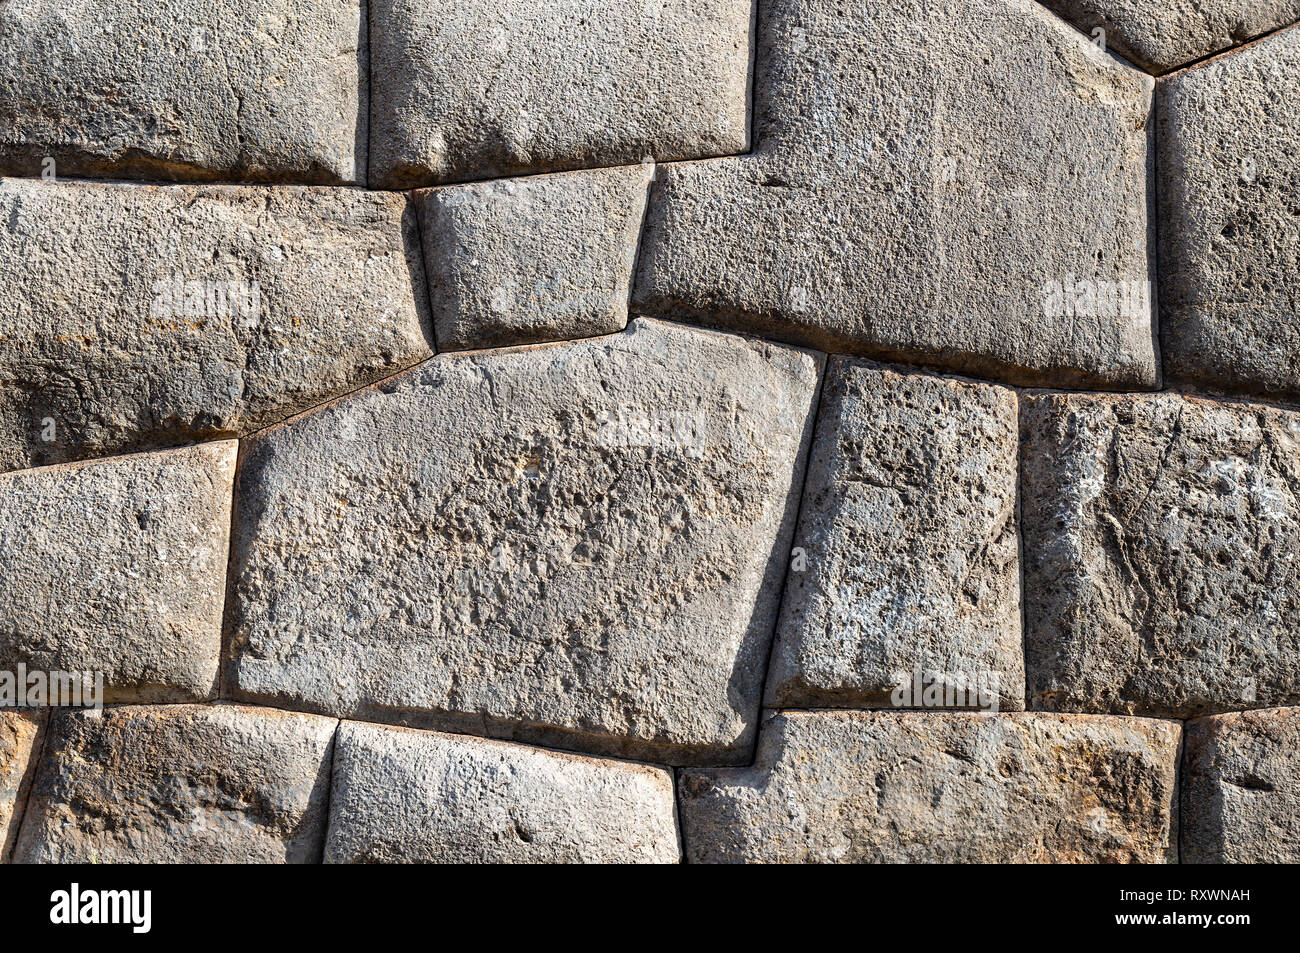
column 119, row 566
column 1161, row 535
column 1230, row 222
column 541, row 258
column 402, row 796
column 1241, row 788
column 575, row 544
column 133, row 317
column 20, row 733
column 1161, row 35
column 180, row 784
column 908, row 531
column 908, row 201
column 255, row 90
column 479, row 90
column 933, row 787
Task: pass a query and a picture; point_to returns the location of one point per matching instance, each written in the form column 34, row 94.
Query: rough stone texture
column 908, row 527
column 899, row 787
column 180, row 784
column 402, row 796
column 119, row 566
column 99, row 354
column 923, row 173
column 1230, row 222
column 542, row 258
column 1241, row 788
column 481, row 89
column 1160, row 543
column 1161, row 35
column 20, row 733
column 577, row 544
column 258, row 90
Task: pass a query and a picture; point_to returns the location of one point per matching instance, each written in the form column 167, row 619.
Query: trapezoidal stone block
column 1161, row 36
column 906, row 556
column 134, row 316
column 579, row 545
column 940, row 787
column 404, row 796
column 964, row 187
column 1241, row 773
column 118, row 567
column 1230, row 222
column 20, row 734
column 477, row 90
column 1160, row 537
column 180, row 784
column 540, row 258
column 244, row 90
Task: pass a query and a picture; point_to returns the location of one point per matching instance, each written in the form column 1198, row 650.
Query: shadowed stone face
column 492, row 88
column 900, row 787
column 1161, row 35
column 1230, row 223
column 576, row 544
column 908, row 544
column 135, row 316
column 402, row 796
column 958, row 185
column 1160, row 543
column 118, row 566
column 233, row 90
column 180, row 784
column 19, row 737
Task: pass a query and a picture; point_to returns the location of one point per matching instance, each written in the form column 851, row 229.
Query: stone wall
column 651, row 430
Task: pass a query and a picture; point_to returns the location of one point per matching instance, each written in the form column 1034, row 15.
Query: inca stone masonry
column 651, row 430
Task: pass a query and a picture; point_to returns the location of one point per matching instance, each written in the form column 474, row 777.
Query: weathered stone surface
column 180, row 784
column 911, row 787
column 1160, row 541
column 1160, row 36
column 481, row 90
column 1241, row 778
column 119, row 566
column 403, row 796
column 908, row 201
column 133, row 317
column 1230, row 224
column 575, row 544
column 542, row 258
column 19, row 736
column 908, row 529
column 259, row 90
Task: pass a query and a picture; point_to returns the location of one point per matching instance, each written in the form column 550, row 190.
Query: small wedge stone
column 180, row 784
column 940, row 787
column 20, row 732
column 906, row 553
column 118, row 567
column 1241, row 773
column 403, row 796
column 1160, row 536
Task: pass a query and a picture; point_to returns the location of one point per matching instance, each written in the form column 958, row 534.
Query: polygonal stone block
column 19, row 737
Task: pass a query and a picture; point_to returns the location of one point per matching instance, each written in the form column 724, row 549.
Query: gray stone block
column 119, row 567
column 908, row 201
column 1240, row 783
column 1160, row 536
column 493, row 88
column 251, row 90
column 932, row 787
column 403, row 796
column 909, row 551
column 134, row 317
column 1230, row 222
column 180, row 784
column 541, row 258
column 579, row 545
